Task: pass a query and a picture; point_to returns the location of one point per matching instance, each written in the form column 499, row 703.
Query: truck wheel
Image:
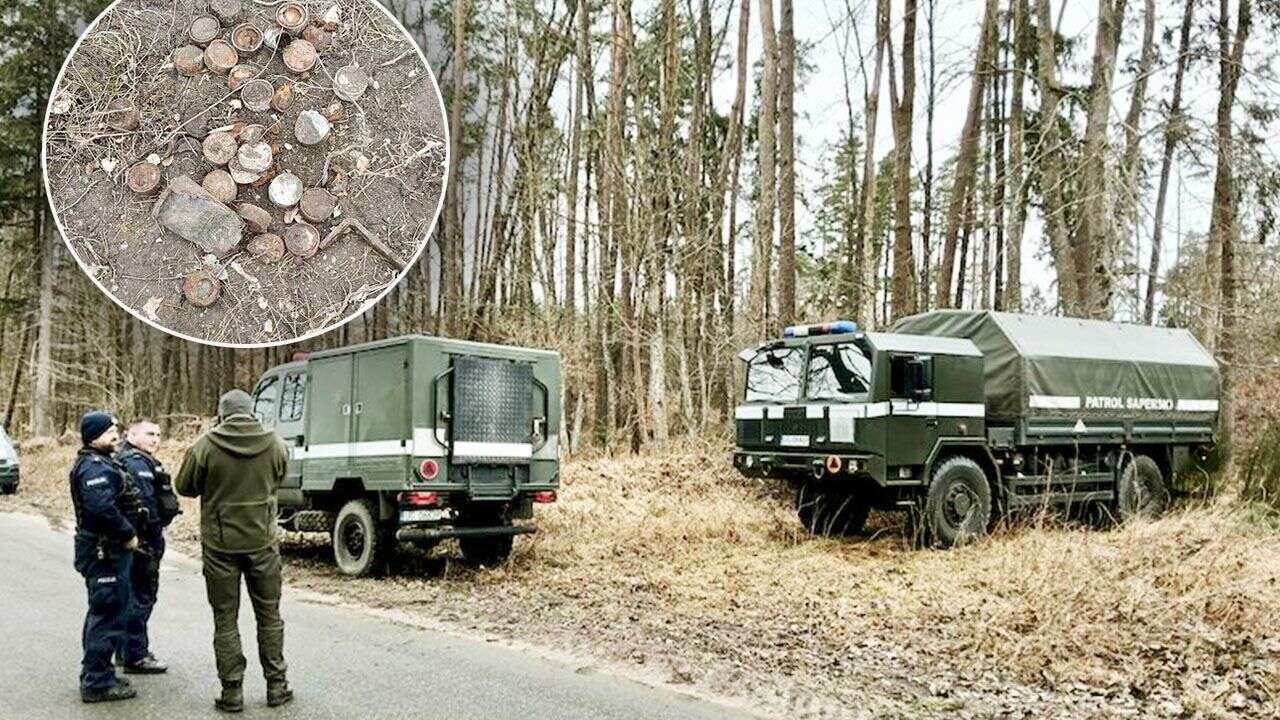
column 831, row 513
column 957, row 507
column 491, row 550
column 1142, row 492
column 360, row 546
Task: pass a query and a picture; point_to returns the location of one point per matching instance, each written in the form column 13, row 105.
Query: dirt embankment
column 677, row 567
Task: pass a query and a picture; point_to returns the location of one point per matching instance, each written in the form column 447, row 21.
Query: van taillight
column 545, row 496
column 419, row 498
column 429, row 469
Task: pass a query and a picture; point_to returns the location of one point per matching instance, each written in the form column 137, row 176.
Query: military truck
column 956, row 416
column 415, row 439
column 9, row 465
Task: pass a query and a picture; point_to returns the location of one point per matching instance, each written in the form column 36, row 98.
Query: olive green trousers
column 261, row 572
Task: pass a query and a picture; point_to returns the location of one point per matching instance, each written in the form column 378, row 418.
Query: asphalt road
column 343, row 662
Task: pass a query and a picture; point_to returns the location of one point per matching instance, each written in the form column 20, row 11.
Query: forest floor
column 675, row 569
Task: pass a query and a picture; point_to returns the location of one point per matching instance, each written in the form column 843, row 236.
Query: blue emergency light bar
column 837, row 327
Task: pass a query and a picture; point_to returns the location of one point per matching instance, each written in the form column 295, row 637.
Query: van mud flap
column 492, row 425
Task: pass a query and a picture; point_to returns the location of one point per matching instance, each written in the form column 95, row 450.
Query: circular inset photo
column 245, row 173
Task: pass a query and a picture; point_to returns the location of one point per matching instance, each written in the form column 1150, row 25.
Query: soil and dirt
column 675, row 567
column 384, row 161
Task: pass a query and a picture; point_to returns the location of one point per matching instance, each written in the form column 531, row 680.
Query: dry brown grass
column 677, row 562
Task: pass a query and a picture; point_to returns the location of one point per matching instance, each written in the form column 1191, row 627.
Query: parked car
column 9, row 464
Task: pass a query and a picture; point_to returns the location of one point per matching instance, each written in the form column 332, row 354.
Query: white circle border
column 417, row 256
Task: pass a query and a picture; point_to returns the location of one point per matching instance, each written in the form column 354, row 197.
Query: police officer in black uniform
column 105, row 539
column 155, row 491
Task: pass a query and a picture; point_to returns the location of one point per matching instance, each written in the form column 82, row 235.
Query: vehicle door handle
column 346, row 409
column 359, row 408
column 931, row 422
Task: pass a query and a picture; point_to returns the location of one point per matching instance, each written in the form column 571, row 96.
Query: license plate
column 411, row 516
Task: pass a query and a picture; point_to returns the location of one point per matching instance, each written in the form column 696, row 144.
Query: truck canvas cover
column 1055, row 367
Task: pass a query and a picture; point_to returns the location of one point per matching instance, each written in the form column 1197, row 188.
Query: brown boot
column 278, row 693
column 232, row 700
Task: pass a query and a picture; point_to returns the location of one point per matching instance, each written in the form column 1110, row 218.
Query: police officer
column 155, row 492
column 104, row 544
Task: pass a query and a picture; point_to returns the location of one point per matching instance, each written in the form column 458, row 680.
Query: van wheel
column 360, row 545
column 486, row 550
column 957, row 508
column 831, row 513
column 1142, row 492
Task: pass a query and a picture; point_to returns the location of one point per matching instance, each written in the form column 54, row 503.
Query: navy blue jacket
column 142, row 468
column 96, row 483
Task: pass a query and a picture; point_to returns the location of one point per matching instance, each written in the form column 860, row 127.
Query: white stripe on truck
column 1055, row 402
column 492, row 449
column 1197, row 406
column 424, row 444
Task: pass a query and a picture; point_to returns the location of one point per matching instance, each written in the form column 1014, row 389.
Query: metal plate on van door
column 492, row 410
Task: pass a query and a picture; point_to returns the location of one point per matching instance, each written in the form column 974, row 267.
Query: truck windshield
column 838, row 371
column 774, row 375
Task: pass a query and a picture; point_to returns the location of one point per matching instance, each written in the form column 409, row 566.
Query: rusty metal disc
column 246, row 38
column 292, row 16
column 258, row 220
column 267, row 247
column 256, row 95
column 202, row 288
column 255, row 157
column 316, row 205
column 219, row 147
column 144, row 178
column 220, row 185
column 285, row 190
column 220, row 57
column 203, row 30
column 228, row 11
column 302, row 239
column 350, row 82
column 316, row 36
column 189, row 60
column 240, row 74
column 300, row 56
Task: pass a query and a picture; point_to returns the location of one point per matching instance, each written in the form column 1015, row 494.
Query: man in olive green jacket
column 236, row 469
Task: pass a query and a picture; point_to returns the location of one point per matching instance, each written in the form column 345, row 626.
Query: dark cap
column 94, row 423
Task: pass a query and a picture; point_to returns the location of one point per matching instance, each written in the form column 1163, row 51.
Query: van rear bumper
column 411, row 534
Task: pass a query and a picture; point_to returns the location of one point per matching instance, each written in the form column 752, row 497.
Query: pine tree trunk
column 1016, row 214
column 967, row 157
column 904, row 293
column 1173, row 133
column 787, row 167
column 761, row 265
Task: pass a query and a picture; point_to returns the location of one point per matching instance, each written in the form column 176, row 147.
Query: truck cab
column 415, row 439
column 854, row 419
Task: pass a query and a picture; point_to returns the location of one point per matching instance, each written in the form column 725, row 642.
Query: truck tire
column 957, row 508
column 1142, row 492
column 831, row 513
column 360, row 545
column 489, row 550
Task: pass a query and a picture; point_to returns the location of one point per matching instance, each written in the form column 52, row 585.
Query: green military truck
column 415, row 439
column 957, row 415
column 9, row 465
